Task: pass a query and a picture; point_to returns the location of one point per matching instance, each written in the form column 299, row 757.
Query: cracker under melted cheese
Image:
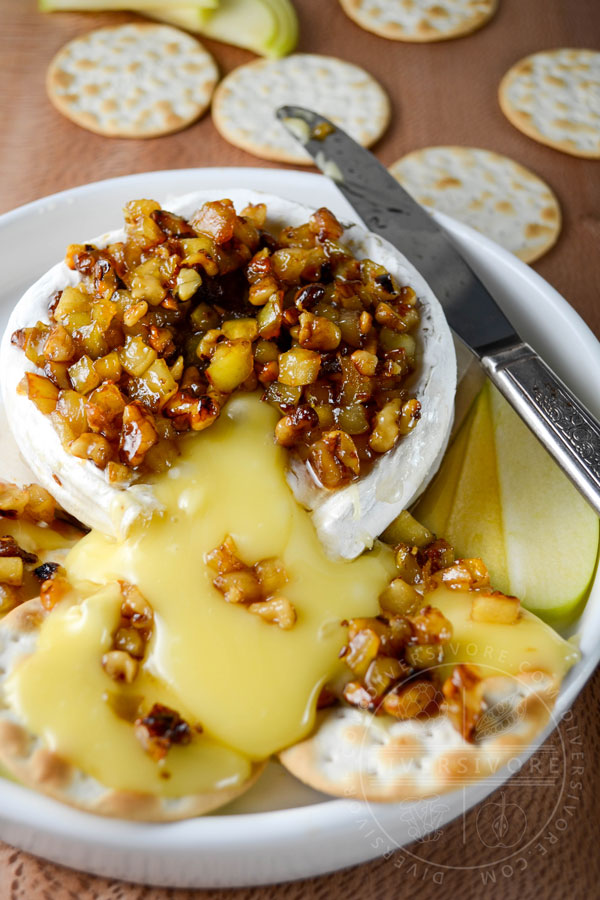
column 252, row 686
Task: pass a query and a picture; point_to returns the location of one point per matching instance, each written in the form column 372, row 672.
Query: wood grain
column 441, row 93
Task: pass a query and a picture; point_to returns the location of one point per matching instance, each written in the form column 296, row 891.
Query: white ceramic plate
column 280, row 830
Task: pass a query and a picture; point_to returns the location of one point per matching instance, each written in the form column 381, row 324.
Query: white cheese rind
column 347, row 520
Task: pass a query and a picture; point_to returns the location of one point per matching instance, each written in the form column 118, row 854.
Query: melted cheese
column 527, row 645
column 251, row 685
column 63, row 694
column 39, row 538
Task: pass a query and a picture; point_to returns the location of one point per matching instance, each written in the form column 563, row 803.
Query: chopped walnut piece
column 357, row 694
column 362, row 650
column 239, row 587
column 464, row 703
column 120, row 666
column 435, row 556
column 135, row 609
column 463, row 575
column 254, row 588
column 160, row 729
column 242, row 307
column 430, row 626
column 318, row 333
column 276, row 611
column 138, row 434
column 271, row 575
column 386, row 430
column 366, row 363
column 410, row 700
column 224, row 558
column 130, row 641
column 334, row 459
column 290, row 428
column 53, row 590
column 94, row 447
column 325, row 225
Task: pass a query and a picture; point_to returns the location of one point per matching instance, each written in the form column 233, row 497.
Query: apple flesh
column 105, row 5
column 500, row 496
column 267, row 27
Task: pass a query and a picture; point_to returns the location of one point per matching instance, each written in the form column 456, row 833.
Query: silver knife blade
column 568, row 431
column 387, row 209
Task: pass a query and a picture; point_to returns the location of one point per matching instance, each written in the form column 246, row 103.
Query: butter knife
column 568, row 431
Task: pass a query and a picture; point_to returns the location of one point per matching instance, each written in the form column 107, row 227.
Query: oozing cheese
column 63, row 694
column 347, row 520
column 251, row 685
column 527, row 645
column 32, row 537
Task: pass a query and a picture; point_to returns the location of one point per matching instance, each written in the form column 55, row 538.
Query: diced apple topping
column 166, row 324
column 495, row 608
column 395, row 658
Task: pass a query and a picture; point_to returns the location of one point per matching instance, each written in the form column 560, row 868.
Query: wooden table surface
column 441, row 94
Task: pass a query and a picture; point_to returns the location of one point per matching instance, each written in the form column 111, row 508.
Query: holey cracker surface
column 136, row 80
column 420, row 20
column 491, row 193
column 246, row 100
column 554, row 98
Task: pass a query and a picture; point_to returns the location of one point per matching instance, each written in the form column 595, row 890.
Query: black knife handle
column 558, row 419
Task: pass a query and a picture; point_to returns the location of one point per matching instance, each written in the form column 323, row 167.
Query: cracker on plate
column 29, row 759
column 245, row 102
column 554, row 98
column 136, row 80
column 354, row 753
column 491, row 193
column 420, row 21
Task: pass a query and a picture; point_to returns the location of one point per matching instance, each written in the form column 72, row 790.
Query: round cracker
column 28, row 758
column 353, row 753
column 135, row 80
column 245, row 102
column 420, row 21
column 490, row 192
column 554, row 98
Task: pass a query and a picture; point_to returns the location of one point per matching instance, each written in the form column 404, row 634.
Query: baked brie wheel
column 386, row 447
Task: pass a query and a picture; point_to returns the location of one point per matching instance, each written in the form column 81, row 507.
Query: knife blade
column 568, row 430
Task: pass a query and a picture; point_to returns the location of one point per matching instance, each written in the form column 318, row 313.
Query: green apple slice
column 500, row 496
column 435, row 505
column 474, row 526
column 462, row 503
column 187, row 17
column 550, row 532
column 267, row 27
column 286, row 35
column 106, row 5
